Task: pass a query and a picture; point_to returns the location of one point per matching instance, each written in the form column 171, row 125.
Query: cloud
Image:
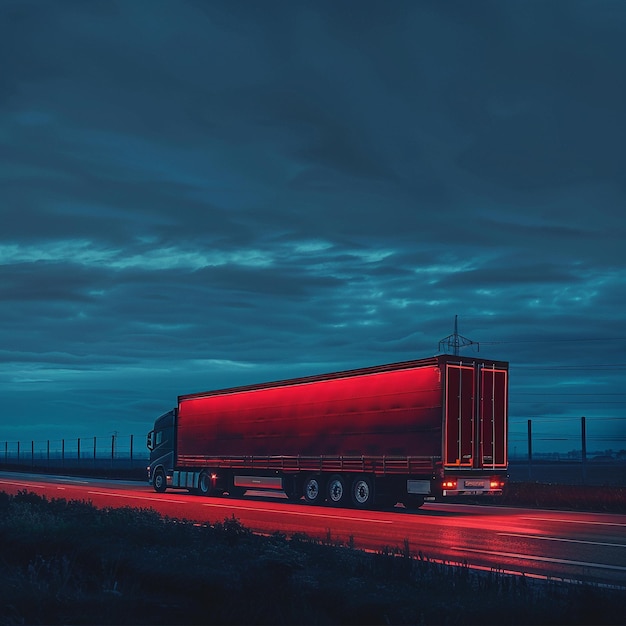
column 198, row 195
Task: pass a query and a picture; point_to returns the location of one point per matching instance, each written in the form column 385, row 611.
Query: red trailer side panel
column 396, row 412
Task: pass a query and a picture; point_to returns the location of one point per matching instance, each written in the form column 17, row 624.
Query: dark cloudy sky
column 200, row 194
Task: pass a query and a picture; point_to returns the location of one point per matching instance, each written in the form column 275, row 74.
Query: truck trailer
column 404, row 432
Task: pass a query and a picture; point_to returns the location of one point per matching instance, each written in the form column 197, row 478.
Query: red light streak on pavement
column 557, row 544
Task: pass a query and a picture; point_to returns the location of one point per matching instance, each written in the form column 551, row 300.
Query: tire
column 206, row 484
column 362, row 492
column 412, row 503
column 314, row 489
column 159, row 482
column 337, row 492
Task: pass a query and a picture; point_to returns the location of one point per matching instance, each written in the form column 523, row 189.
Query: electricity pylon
column 455, row 341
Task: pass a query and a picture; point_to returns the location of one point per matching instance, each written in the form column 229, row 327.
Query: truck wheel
column 158, row 482
column 337, row 490
column 363, row 492
column 314, row 489
column 205, row 484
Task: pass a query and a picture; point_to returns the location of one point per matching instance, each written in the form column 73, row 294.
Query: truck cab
column 161, row 445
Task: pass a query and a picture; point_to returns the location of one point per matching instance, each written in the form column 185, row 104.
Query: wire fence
column 126, row 456
column 113, row 454
column 559, row 437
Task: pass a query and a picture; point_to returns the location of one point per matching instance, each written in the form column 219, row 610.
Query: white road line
column 72, row 481
column 528, row 557
column 247, row 508
column 119, row 495
column 21, row 484
column 302, row 513
column 37, row 484
column 573, row 521
column 591, row 543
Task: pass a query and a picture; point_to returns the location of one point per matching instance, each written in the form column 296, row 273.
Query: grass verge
column 67, row 562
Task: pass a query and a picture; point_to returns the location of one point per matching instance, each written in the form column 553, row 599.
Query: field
column 71, row 563
column 566, row 497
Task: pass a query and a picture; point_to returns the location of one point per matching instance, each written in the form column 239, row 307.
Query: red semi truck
column 404, row 432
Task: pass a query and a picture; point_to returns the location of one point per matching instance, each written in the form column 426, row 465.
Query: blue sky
column 202, row 194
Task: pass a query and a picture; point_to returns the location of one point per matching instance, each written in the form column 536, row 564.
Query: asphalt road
column 576, row 546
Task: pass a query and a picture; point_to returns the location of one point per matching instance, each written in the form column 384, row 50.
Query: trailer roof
column 433, row 361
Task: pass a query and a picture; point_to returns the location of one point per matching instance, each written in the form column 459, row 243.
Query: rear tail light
column 496, row 484
column 449, row 484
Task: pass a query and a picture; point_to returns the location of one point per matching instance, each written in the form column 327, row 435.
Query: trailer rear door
column 493, row 418
column 475, row 433
column 459, row 415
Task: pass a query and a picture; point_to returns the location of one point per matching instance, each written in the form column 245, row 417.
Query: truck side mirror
column 149, row 443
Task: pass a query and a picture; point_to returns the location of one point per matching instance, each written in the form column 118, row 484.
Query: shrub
column 68, row 562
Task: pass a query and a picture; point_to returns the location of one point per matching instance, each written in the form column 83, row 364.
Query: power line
column 596, row 366
column 577, row 339
column 567, row 393
column 578, row 402
column 561, row 418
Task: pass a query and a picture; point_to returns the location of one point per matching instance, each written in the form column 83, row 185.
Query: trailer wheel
column 314, row 489
column 363, row 492
column 337, row 490
column 158, row 481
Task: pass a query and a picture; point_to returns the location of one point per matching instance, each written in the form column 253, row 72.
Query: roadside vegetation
column 566, row 497
column 67, row 562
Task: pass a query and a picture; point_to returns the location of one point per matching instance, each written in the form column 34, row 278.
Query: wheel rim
column 158, row 480
column 335, row 490
column 361, row 492
column 205, row 485
column 312, row 489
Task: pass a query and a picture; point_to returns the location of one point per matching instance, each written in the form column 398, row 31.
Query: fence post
column 112, row 447
column 530, row 449
column 78, row 449
column 131, row 450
